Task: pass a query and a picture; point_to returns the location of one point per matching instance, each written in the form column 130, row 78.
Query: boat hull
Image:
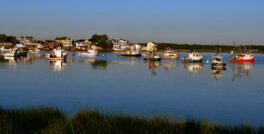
column 241, row 60
column 170, row 57
column 11, row 55
column 128, row 55
column 152, row 59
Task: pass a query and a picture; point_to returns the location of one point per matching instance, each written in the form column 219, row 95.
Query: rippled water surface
column 137, row 87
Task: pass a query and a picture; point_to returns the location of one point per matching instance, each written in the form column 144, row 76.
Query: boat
column 36, row 51
column 193, row 57
column 23, row 52
column 153, row 57
column 170, row 55
column 217, row 63
column 58, row 54
column 12, row 53
column 133, row 53
column 90, row 52
column 242, row 58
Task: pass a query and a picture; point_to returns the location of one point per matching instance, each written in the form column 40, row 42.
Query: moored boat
column 153, row 57
column 170, row 55
column 90, row 52
column 217, row 63
column 58, row 54
column 193, row 57
column 133, row 53
column 12, row 53
column 242, row 58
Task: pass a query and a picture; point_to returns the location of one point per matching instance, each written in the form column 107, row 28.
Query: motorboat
column 153, row 57
column 12, row 53
column 58, row 54
column 36, row 51
column 242, row 58
column 193, row 57
column 170, row 55
column 217, row 63
column 133, row 53
column 90, row 52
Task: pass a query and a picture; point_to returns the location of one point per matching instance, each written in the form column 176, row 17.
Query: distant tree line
column 211, row 48
column 5, row 38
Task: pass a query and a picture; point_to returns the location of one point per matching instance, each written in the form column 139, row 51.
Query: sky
column 172, row 21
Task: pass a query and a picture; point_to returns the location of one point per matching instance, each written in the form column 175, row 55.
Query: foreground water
column 137, row 87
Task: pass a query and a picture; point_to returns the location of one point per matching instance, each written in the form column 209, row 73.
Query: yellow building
column 65, row 41
column 151, row 46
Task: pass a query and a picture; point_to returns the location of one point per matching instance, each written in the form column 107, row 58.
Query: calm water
column 137, row 87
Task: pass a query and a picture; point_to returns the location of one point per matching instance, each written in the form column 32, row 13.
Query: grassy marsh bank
column 46, row 120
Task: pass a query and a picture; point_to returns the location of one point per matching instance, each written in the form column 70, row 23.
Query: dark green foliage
column 100, row 40
column 4, row 38
column 47, row 120
column 28, row 120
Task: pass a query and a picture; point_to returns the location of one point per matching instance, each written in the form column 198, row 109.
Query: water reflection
column 217, row 73
column 12, row 61
column 152, row 65
column 58, row 66
column 99, row 64
column 241, row 70
column 193, row 67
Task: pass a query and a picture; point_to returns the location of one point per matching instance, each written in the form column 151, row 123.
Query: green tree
column 100, row 40
column 3, row 38
column 12, row 39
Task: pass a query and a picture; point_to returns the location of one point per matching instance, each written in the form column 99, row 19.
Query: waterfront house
column 135, row 46
column 82, row 44
column 64, row 41
column 120, row 44
column 51, row 44
column 28, row 41
column 151, row 46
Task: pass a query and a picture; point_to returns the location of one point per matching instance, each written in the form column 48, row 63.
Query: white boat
column 58, row 54
column 193, row 57
column 12, row 53
column 217, row 62
column 34, row 51
column 131, row 53
column 170, row 55
column 90, row 52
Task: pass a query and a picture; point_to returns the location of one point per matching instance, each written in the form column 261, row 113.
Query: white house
column 119, row 45
column 136, row 46
column 151, row 46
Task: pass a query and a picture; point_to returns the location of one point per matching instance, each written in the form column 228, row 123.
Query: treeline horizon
column 101, row 40
column 211, row 48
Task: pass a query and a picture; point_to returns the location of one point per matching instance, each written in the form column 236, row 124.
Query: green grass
column 47, row 120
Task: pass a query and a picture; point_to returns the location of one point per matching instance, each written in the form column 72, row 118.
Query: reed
column 47, row 120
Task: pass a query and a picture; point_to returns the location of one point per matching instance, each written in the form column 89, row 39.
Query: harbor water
column 131, row 85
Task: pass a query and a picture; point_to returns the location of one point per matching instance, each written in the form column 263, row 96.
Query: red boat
column 242, row 58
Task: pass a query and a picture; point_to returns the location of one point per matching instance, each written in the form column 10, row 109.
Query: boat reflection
column 58, row 65
column 152, row 65
column 99, row 64
column 193, row 67
column 12, row 61
column 241, row 70
column 217, row 73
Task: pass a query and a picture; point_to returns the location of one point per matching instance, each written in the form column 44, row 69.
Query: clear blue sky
column 178, row 21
